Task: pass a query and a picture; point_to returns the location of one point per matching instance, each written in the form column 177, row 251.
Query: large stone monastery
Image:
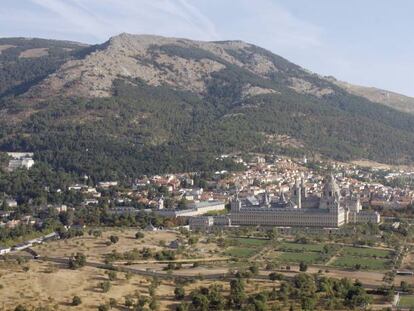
column 329, row 210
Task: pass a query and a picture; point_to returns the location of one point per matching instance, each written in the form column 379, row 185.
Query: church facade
column 329, row 210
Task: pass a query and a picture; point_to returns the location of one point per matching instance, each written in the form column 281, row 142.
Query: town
column 278, row 216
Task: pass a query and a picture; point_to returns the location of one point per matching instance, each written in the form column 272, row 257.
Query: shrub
column 77, row 261
column 103, row 308
column 105, row 286
column 139, row 235
column 179, row 293
column 76, row 301
column 114, row 239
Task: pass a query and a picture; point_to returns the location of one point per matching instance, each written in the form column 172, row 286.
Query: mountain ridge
column 119, row 41
column 388, row 98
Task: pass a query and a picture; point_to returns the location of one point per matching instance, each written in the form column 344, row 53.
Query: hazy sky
column 368, row 42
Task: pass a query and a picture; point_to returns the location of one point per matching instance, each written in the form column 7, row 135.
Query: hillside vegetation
column 143, row 104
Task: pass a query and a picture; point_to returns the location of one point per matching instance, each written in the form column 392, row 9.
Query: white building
column 10, row 203
column 107, row 184
column 5, row 250
column 20, row 160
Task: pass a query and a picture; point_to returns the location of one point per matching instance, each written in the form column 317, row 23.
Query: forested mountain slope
column 24, row 62
column 146, row 104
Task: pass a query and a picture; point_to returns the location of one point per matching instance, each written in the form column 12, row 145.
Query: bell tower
column 330, row 194
column 304, row 190
column 297, row 194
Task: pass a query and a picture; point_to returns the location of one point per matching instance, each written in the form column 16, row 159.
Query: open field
column 285, row 252
column 244, row 247
column 297, row 247
column 307, row 257
column 248, row 242
column 406, row 302
column 372, row 164
column 366, row 252
column 372, row 278
column 95, row 247
column 294, row 253
column 51, row 284
column 365, row 263
column 240, row 252
column 367, row 258
column 47, row 284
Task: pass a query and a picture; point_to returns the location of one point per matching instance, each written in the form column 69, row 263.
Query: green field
column 406, row 302
column 296, row 247
column 348, row 261
column 248, row 242
column 240, row 252
column 244, row 247
column 366, row 252
column 306, row 257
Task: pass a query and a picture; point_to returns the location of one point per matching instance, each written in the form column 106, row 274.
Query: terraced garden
column 297, row 247
column 367, row 252
column 245, row 247
column 287, row 252
column 364, row 263
column 240, row 252
column 306, row 257
column 363, row 258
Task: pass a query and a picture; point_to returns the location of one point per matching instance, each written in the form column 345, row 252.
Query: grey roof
column 252, row 200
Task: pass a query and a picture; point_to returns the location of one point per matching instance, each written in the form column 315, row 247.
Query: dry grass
column 5, row 47
column 95, row 248
column 41, row 286
column 33, row 53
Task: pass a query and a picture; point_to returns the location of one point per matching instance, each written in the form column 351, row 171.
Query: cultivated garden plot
column 329, row 254
column 245, row 247
column 364, row 258
column 406, row 302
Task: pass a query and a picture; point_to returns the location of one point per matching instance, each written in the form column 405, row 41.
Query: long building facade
column 329, row 210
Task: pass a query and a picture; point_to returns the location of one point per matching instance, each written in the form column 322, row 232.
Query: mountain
column 387, row 98
column 24, row 61
column 146, row 104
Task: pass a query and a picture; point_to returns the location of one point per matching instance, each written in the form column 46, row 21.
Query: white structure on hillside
column 20, row 160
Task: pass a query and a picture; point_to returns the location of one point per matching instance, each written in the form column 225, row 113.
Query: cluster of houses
column 9, row 220
column 271, row 191
column 274, row 179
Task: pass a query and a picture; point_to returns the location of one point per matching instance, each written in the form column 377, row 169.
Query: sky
column 366, row 42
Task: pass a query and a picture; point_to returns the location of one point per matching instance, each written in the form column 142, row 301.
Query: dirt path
column 331, row 260
column 209, row 259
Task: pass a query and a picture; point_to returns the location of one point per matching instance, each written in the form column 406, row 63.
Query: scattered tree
column 76, row 301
